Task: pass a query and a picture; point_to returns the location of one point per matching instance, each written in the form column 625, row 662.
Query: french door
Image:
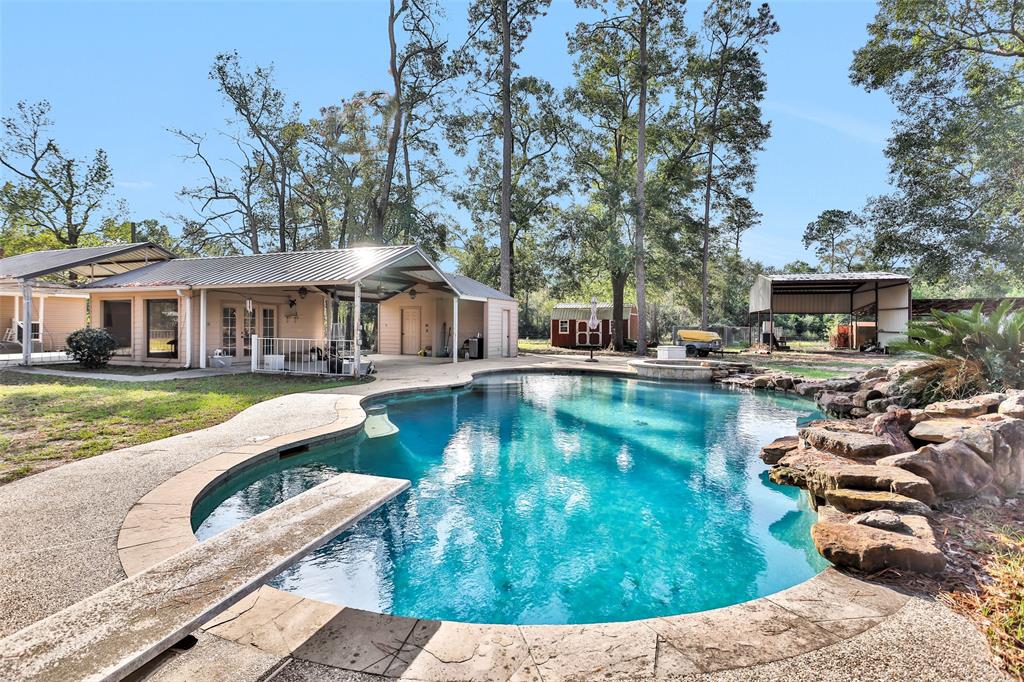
column 238, row 324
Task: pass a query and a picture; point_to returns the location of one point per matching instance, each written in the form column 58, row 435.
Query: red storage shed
column 569, row 325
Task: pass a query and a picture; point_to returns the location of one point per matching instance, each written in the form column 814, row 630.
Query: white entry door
column 506, row 341
column 410, row 331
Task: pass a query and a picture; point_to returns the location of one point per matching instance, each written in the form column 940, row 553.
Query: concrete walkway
column 59, row 529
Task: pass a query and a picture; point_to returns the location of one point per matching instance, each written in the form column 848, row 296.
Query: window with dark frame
column 162, row 328
column 117, row 320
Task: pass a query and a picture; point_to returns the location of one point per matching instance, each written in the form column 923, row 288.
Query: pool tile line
column 289, row 625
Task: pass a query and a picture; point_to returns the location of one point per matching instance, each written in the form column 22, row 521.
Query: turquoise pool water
column 553, row 499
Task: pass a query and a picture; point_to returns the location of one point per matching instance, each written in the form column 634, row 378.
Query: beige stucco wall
column 6, row 313
column 61, row 316
column 390, row 320
column 436, row 316
column 305, row 320
column 493, row 337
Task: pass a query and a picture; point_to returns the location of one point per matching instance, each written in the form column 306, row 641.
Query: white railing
column 333, row 357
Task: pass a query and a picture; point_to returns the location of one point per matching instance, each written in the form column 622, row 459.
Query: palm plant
column 972, row 352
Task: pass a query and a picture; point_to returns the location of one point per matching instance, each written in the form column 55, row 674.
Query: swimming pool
column 546, row 498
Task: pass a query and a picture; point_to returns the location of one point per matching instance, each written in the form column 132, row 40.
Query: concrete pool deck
column 59, row 543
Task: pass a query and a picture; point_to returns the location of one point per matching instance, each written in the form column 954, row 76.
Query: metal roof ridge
column 278, row 253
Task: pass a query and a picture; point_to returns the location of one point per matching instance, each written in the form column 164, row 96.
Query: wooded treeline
column 634, row 183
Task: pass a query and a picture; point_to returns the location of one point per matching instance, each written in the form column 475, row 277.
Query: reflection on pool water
column 553, row 499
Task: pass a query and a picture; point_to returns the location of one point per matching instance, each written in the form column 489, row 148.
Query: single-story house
column 193, row 312
column 48, row 279
column 570, row 325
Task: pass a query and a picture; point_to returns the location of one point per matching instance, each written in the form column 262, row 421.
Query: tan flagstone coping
column 824, row 610
column 116, row 631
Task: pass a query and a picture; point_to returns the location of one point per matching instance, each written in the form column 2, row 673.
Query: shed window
column 563, row 326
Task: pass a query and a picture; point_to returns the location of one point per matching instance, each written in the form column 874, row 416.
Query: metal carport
column 887, row 295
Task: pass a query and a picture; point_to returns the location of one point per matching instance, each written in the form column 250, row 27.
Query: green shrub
column 973, row 353
column 91, row 348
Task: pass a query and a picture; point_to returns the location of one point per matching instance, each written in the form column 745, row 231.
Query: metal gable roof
column 92, row 260
column 468, row 286
column 581, row 311
column 383, row 270
column 286, row 267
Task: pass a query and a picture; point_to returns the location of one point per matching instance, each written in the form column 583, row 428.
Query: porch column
column 26, row 328
column 356, row 306
column 455, row 329
column 42, row 310
column 202, row 328
column 188, row 329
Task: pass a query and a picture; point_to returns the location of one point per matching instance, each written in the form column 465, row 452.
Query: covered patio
column 32, row 282
column 282, row 312
column 885, row 296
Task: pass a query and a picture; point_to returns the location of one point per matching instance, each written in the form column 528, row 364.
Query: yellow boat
column 698, row 342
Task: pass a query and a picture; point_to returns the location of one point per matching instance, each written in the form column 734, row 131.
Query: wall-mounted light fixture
column 302, row 292
column 412, row 294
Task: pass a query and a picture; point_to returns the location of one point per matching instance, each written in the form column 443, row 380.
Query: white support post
column 255, row 354
column 202, row 328
column 26, row 325
column 188, row 330
column 356, row 326
column 455, row 329
column 42, row 335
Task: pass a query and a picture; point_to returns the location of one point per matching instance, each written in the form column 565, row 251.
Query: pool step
column 116, row 631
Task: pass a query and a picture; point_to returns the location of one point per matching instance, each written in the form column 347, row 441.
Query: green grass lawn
column 47, row 421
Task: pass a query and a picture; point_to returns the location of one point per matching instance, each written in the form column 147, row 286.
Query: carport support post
column 202, row 328
column 26, row 325
column 356, row 310
column 455, row 329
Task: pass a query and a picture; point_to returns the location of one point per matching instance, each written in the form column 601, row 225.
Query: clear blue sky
column 120, row 73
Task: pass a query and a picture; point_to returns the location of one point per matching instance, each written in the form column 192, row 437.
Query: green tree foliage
column 596, row 240
column 973, row 352
column 954, row 70
column 498, row 29
column 51, row 192
column 538, row 176
column 831, row 235
column 722, row 100
column 648, row 35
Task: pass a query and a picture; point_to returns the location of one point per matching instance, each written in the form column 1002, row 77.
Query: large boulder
column 846, row 443
column 892, row 426
column 809, row 389
column 955, row 471
column 868, row 549
column 794, row 467
column 861, row 397
column 843, row 385
column 832, row 402
column 882, row 404
column 834, row 476
column 957, row 408
column 778, row 448
column 885, row 519
column 1007, row 453
column 855, row 501
column 1013, row 406
column 783, row 382
column 874, row 373
column 942, row 429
